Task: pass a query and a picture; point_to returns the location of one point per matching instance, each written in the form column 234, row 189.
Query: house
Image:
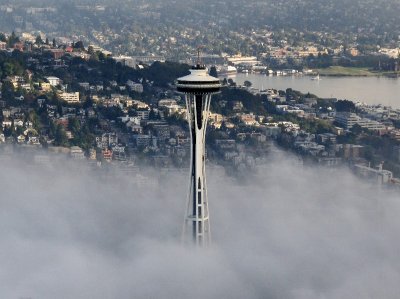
column 249, row 119
column 21, row 139
column 143, row 114
column 16, row 80
column 26, row 86
column 137, row 129
column 7, row 123
column 54, row 81
column 90, row 112
column 107, row 155
column 77, row 153
column 136, row 87
column 18, row 123
column 142, row 140
column 33, row 140
column 45, row 86
column 106, row 140
column 57, row 53
column 139, row 104
column 6, row 113
column 84, row 85
column 41, row 102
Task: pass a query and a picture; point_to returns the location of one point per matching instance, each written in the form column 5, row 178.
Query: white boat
column 227, row 70
column 316, row 78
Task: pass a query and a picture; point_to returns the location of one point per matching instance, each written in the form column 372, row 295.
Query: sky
column 289, row 231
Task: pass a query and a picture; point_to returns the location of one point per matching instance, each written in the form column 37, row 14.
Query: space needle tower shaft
column 198, row 88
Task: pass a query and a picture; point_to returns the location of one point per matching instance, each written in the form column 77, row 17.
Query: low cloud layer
column 287, row 232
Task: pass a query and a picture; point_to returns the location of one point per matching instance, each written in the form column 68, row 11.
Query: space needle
column 198, row 88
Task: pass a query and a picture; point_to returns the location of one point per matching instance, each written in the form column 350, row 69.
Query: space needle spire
column 198, row 88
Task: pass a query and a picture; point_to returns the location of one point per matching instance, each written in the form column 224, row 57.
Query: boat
column 316, row 78
column 227, row 70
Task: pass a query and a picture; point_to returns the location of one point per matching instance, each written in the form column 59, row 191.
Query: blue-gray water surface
column 370, row 90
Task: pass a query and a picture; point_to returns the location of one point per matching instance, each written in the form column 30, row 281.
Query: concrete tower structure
column 198, row 88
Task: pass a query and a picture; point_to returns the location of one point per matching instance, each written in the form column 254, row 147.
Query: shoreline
column 338, row 71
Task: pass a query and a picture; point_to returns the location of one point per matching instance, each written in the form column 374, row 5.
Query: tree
column 90, row 50
column 39, row 40
column 356, row 129
column 12, row 39
column 213, row 72
column 60, row 137
column 7, row 91
column 231, row 82
column 345, row 106
column 79, row 45
column 54, row 43
column 247, row 84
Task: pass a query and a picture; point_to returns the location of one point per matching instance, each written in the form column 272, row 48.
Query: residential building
column 70, row 98
column 143, row 114
column 54, row 81
column 347, row 120
column 77, row 153
column 379, row 174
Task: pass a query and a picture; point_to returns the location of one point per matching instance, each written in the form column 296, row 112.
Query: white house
column 54, row 81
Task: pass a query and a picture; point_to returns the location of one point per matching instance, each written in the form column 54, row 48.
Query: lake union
column 370, row 90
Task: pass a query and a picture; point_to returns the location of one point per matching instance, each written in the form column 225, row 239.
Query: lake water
column 370, row 90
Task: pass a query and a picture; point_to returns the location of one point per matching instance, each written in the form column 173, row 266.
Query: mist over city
column 290, row 233
column 186, row 149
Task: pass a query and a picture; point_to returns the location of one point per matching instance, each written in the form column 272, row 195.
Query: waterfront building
column 347, row 120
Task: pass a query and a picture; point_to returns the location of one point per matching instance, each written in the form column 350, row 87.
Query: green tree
column 345, row 106
column 7, row 91
column 79, row 45
column 12, row 39
column 356, row 129
column 213, row 72
column 60, row 136
column 247, row 84
column 90, row 50
column 39, row 40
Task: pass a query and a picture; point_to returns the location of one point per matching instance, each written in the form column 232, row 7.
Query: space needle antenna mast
column 198, row 87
